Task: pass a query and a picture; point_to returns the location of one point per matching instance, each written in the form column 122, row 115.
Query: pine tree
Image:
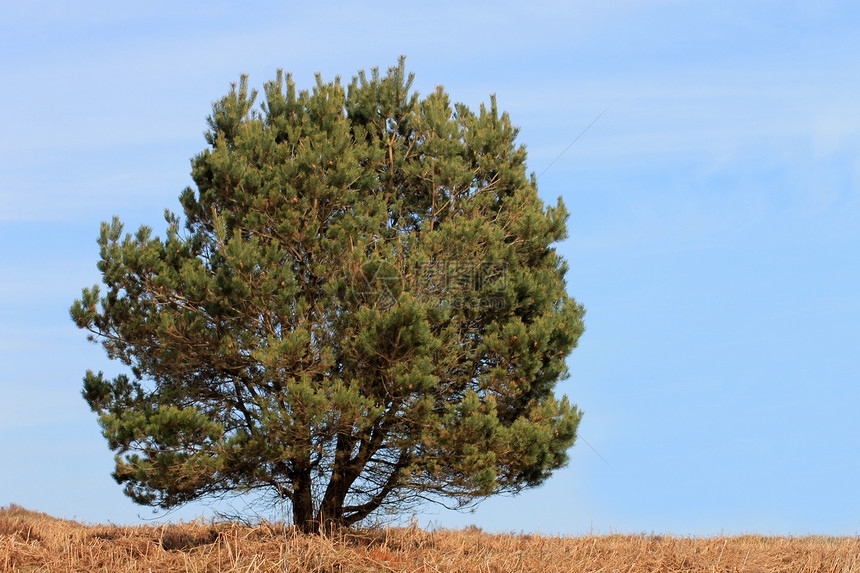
column 361, row 308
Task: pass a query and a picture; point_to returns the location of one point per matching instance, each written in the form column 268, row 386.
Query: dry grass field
column 31, row 541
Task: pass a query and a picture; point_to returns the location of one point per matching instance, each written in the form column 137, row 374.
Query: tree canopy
column 361, row 306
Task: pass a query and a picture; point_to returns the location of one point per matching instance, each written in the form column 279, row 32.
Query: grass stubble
column 31, row 541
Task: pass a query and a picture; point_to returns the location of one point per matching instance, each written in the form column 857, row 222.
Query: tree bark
column 342, row 477
column 303, row 502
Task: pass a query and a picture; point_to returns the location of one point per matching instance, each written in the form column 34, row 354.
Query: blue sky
column 714, row 235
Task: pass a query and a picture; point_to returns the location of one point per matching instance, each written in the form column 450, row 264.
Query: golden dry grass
column 31, row 541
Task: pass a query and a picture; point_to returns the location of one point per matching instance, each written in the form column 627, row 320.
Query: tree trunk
column 342, row 476
column 303, row 503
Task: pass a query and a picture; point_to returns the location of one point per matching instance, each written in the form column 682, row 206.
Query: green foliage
column 362, row 307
